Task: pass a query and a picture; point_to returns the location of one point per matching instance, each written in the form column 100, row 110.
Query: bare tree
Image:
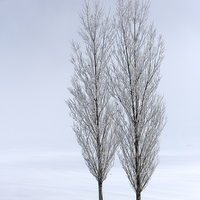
column 91, row 106
column 134, row 79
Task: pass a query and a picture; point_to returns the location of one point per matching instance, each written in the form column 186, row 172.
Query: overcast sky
column 35, row 72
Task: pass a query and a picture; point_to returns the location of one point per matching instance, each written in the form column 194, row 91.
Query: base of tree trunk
column 138, row 196
column 100, row 186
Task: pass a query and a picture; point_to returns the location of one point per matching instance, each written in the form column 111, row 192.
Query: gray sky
column 35, row 72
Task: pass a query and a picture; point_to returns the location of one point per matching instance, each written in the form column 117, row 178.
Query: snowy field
column 31, row 175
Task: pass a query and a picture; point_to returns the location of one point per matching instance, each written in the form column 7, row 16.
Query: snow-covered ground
column 48, row 175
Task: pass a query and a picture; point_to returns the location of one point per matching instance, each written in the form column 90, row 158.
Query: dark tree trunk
column 138, row 195
column 100, row 184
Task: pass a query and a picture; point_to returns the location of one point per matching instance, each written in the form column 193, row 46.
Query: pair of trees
column 114, row 88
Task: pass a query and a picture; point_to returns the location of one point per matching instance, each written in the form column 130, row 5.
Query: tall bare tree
column 134, row 80
column 91, row 106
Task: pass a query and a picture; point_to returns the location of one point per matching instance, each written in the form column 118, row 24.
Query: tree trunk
column 138, row 195
column 100, row 184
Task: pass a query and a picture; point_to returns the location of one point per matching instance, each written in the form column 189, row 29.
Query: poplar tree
column 91, row 106
column 134, row 79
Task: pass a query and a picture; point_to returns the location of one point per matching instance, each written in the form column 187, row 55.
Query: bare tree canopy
column 91, row 106
column 134, row 80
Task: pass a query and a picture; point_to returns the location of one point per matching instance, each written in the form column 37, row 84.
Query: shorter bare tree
column 134, row 79
column 91, row 106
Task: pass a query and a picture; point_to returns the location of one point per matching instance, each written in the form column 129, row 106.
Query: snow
column 57, row 175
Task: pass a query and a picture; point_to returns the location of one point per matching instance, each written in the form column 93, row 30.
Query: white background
column 35, row 127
